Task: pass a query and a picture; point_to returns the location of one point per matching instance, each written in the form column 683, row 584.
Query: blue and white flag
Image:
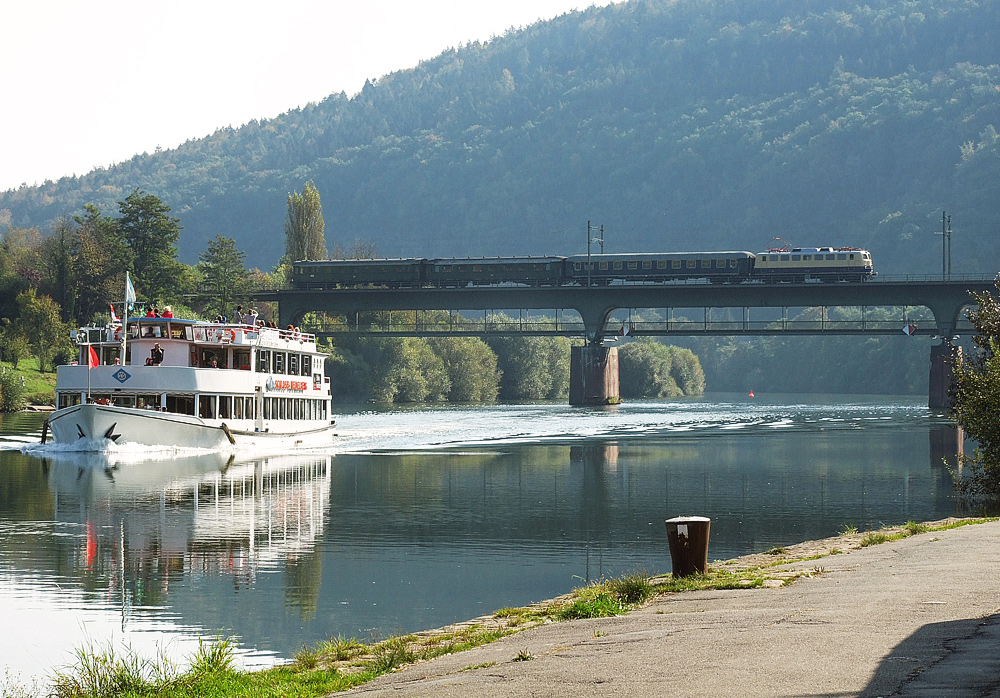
column 129, row 293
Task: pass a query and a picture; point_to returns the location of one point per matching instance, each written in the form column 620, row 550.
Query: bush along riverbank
column 342, row 663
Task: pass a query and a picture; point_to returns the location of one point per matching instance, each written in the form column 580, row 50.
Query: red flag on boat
column 92, row 359
column 114, row 318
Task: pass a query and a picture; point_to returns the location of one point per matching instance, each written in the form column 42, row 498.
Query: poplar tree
column 304, row 225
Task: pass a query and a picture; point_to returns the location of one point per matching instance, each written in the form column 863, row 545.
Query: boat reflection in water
column 139, row 531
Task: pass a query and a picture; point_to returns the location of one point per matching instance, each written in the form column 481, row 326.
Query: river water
column 424, row 516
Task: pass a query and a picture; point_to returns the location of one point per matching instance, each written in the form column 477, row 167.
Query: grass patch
column 778, row 550
column 39, row 388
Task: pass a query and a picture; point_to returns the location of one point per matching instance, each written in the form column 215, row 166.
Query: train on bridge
column 782, row 265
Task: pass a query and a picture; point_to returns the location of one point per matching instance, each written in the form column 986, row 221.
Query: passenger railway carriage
column 720, row 267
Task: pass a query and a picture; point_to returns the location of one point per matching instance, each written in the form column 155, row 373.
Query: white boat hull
column 97, row 425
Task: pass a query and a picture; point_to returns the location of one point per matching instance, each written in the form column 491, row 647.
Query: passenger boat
column 193, row 384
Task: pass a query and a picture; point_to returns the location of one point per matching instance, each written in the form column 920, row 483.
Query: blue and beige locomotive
column 782, row 265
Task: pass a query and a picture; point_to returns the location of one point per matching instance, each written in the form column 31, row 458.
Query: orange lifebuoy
column 118, row 334
column 232, row 335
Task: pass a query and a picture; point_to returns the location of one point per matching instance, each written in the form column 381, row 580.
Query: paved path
column 916, row 617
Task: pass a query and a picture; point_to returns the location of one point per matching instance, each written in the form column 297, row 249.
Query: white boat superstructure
column 194, row 384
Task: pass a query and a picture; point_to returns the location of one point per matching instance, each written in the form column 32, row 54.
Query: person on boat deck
column 150, row 312
column 238, row 315
column 215, row 363
column 156, row 354
column 167, row 312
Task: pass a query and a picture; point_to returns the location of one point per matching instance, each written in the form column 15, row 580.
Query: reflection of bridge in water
column 718, row 309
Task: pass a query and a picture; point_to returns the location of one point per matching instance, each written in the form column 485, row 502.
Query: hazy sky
column 87, row 83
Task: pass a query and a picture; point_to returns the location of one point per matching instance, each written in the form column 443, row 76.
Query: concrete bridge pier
column 943, row 357
column 593, row 375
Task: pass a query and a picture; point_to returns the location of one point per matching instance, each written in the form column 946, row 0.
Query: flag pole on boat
column 129, row 302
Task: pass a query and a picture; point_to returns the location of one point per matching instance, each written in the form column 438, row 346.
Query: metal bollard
column 688, row 540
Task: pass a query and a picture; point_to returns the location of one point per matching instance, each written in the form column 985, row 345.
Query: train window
column 706, row 264
column 796, row 258
column 675, row 264
column 720, row 264
column 732, row 264
column 661, row 264
column 830, row 256
column 617, row 265
column 784, row 258
column 842, row 257
column 477, row 267
column 647, row 264
column 852, row 256
column 763, row 258
column 577, row 266
column 691, row 263
column 603, row 266
column 806, row 257
column 633, row 265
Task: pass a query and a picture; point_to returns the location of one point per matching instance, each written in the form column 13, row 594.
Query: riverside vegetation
column 342, row 663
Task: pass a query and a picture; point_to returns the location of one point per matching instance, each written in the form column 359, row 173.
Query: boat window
column 148, row 402
column 279, row 362
column 263, row 361
column 158, row 330
column 267, row 408
column 225, row 407
column 180, row 404
column 238, row 408
column 241, row 359
column 206, row 406
column 306, row 365
column 293, row 364
column 100, row 398
column 248, row 407
column 179, row 331
column 68, row 399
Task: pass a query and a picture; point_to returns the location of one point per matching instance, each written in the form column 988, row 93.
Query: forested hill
column 679, row 125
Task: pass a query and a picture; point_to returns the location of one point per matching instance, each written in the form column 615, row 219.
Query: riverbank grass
column 342, row 663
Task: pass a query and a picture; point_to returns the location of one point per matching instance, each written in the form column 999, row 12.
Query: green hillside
column 698, row 124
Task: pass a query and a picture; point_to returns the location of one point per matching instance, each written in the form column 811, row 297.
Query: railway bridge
column 594, row 374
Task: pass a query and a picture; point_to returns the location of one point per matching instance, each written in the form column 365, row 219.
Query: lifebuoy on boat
column 118, row 333
column 232, row 335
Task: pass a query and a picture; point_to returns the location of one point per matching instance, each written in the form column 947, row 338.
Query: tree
column 471, row 366
column 226, row 283
column 304, row 225
column 39, row 322
column 100, row 258
column 976, row 399
column 57, row 255
column 151, row 236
